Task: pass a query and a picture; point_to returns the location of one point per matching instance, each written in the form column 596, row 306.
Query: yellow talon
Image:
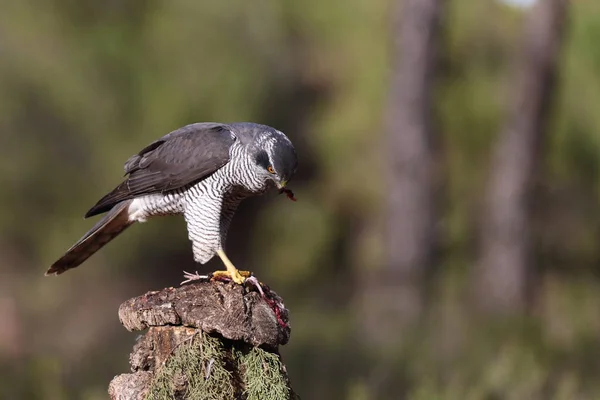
column 232, row 272
column 238, row 277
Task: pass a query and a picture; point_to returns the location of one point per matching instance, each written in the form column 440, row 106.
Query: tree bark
column 206, row 340
column 411, row 209
column 503, row 268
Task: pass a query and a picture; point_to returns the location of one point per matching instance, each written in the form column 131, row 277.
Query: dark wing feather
column 180, row 158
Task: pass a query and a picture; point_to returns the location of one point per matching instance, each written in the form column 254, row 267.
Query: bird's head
column 276, row 158
column 271, row 151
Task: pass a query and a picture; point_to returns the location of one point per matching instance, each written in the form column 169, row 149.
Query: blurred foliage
column 86, row 84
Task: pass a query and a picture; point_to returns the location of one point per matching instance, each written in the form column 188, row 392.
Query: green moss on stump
column 264, row 375
column 210, row 367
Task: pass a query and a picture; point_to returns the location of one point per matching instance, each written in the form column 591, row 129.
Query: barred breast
column 207, row 206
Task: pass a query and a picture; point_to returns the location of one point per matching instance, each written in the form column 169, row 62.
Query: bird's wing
column 180, row 158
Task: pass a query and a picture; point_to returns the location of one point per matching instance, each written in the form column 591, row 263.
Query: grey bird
column 203, row 171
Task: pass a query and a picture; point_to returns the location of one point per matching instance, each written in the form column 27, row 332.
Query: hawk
column 203, row 171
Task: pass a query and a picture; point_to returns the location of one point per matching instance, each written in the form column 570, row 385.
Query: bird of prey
column 203, row 171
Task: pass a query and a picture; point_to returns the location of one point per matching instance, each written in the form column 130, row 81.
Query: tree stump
column 205, row 340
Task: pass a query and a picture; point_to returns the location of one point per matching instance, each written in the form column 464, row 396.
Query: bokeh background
column 446, row 239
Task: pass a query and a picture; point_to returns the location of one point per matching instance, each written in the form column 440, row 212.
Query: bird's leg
column 232, row 272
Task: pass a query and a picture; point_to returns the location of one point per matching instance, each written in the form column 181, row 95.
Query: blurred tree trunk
column 503, row 269
column 398, row 292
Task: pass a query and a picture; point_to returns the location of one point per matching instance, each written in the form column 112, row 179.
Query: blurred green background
column 86, row 84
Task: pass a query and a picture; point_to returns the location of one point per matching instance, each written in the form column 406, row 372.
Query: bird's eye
column 270, row 169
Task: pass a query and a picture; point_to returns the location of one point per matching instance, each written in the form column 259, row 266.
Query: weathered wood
column 230, row 310
column 205, row 338
column 130, row 386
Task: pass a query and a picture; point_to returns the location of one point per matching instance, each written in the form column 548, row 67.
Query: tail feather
column 113, row 223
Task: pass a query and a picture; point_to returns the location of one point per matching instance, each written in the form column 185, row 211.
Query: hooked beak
column 281, row 185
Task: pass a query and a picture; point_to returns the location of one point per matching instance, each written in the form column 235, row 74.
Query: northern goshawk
column 202, row 171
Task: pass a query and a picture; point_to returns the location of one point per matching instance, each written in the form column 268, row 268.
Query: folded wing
column 178, row 159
